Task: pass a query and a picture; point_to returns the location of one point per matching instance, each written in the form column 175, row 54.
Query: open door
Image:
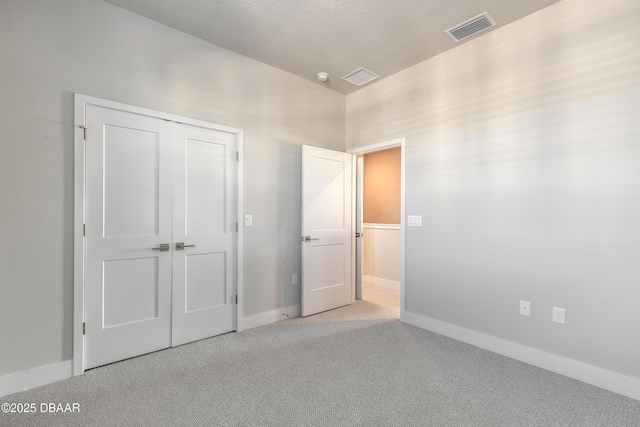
column 327, row 230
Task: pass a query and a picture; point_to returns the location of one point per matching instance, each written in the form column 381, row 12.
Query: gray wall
column 51, row 49
column 523, row 157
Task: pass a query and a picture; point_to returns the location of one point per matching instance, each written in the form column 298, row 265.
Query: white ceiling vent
column 360, row 76
column 471, row 27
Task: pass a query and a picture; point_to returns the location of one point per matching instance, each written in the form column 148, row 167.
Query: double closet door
column 160, row 242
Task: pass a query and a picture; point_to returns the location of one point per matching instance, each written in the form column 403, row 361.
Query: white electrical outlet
column 414, row 220
column 525, row 308
column 248, row 220
column 558, row 315
column 294, row 279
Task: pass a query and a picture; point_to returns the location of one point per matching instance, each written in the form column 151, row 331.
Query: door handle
column 180, row 246
column 164, row 247
column 308, row 238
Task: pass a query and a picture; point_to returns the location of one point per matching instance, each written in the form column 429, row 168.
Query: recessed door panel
column 205, row 281
column 323, row 256
column 327, row 193
column 131, row 181
column 206, row 203
column 130, row 289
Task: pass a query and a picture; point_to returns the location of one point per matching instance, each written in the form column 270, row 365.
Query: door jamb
column 398, row 142
column 80, row 104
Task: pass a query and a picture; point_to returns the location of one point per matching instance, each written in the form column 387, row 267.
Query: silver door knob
column 308, row 238
column 164, row 247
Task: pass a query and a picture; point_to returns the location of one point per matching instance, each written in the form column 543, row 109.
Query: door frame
column 79, row 211
column 357, row 192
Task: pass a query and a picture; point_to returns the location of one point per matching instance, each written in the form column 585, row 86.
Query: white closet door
column 128, row 217
column 205, row 223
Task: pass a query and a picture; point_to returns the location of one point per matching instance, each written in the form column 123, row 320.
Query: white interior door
column 128, row 216
column 204, row 224
column 327, row 230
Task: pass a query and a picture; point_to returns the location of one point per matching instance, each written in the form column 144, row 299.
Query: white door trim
column 399, row 142
column 358, row 222
column 80, row 102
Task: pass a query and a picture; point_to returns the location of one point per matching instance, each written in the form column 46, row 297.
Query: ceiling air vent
column 360, row 76
column 471, row 27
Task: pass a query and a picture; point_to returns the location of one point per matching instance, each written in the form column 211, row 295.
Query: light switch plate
column 414, row 220
column 248, row 220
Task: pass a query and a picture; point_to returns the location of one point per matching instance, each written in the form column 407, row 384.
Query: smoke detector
column 471, row 27
column 360, row 76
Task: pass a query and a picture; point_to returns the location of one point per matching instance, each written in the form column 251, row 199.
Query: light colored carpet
column 354, row 366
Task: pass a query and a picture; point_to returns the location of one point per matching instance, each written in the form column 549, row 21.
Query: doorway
column 379, row 224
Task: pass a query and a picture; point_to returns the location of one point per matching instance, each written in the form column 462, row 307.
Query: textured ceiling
column 306, row 37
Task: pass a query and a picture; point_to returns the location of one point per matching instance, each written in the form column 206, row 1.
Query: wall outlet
column 558, row 315
column 525, row 308
column 294, row 279
column 248, row 220
column 414, row 220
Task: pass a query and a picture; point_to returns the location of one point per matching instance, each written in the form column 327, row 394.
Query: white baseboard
column 608, row 380
column 36, row 377
column 384, row 283
column 272, row 316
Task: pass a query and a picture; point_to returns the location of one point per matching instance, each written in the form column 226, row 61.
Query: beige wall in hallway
column 382, row 187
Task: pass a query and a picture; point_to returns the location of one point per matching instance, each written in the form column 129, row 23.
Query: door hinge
column 236, row 298
column 236, row 226
column 237, row 156
column 84, row 328
column 84, row 230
